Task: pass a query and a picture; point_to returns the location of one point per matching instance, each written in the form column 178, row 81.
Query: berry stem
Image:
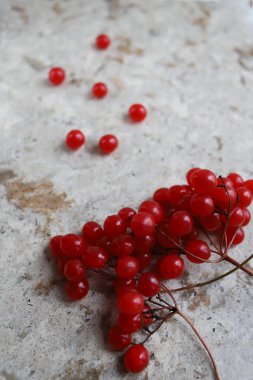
column 238, row 265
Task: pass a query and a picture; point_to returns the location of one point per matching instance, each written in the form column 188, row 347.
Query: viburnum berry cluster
column 137, row 251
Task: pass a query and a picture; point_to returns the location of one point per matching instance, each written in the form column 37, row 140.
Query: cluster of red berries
column 75, row 138
column 138, row 250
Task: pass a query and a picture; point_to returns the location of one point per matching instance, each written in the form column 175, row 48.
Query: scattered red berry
column 74, row 270
column 108, row 143
column 137, row 113
column 75, row 139
column 77, row 290
column 56, row 76
column 136, row 358
column 102, row 41
column 99, row 90
column 73, row 246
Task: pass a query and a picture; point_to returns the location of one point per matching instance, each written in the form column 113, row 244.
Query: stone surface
column 191, row 64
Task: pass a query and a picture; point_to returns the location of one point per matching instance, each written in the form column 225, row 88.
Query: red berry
column 236, row 179
column 73, row 246
column 136, row 358
column 144, row 243
column 199, row 249
column 184, row 203
column 143, row 224
column 75, row 139
column 95, row 257
column 171, row 266
column 137, row 113
column 247, row 216
column 122, row 246
column 54, row 246
column 99, row 90
column 201, row 205
column 189, row 174
column 74, row 270
column 102, row 41
column 180, row 223
column 162, row 195
column 122, row 286
column 149, row 284
column 225, row 182
column 244, row 196
column 164, row 237
column 147, row 317
column 127, row 267
column 203, row 181
column 129, row 323
column 144, row 259
column 224, row 197
column 212, row 222
column 127, row 214
column 153, row 208
column 234, row 235
column 177, row 192
column 77, row 290
column 130, row 302
column 56, row 76
column 249, row 185
column 114, row 226
column 92, row 232
column 236, row 217
column 108, row 143
column 117, row 339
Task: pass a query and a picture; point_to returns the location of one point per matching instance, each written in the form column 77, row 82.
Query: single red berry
column 171, row 266
column 247, row 217
column 236, row 217
column 60, row 263
column 75, row 139
column 127, row 214
column 143, row 224
column 153, row 208
column 136, row 358
column 225, row 182
column 74, row 270
column 249, row 185
column 122, row 246
column 164, row 237
column 144, row 260
column 54, row 246
column 56, row 75
column 203, row 181
column 114, row 226
column 180, row 223
column 92, row 232
column 201, row 205
column 223, row 197
column 95, row 257
column 144, row 243
column 102, row 41
column 108, row 143
column 130, row 302
column 198, row 248
column 234, row 235
column 77, row 290
column 117, row 339
column 244, row 196
column 189, row 174
column 212, row 222
column 99, row 90
column 162, row 195
column 137, row 113
column 177, row 192
column 121, row 286
column 129, row 323
column 127, row 267
column 147, row 316
column 236, row 179
column 149, row 284
column 73, row 246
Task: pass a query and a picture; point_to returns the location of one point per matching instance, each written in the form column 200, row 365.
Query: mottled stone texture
column 191, row 63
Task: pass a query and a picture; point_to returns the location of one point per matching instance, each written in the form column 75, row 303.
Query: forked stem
column 238, row 265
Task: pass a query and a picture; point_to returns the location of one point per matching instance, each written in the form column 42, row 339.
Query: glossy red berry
column 102, row 41
column 122, row 246
column 129, row 323
column 244, row 196
column 171, row 266
column 249, row 185
column 73, row 246
column 95, row 257
column 114, row 226
column 122, row 286
column 130, row 302
column 144, row 259
column 137, row 113
column 212, row 222
column 225, row 182
column 203, row 181
column 149, row 284
column 117, row 339
column 54, row 246
column 224, row 198
column 127, row 214
column 147, row 316
column 177, row 192
column 56, row 76
column 236, row 217
column 75, row 139
column 99, row 90
column 234, row 235
column 199, row 249
column 247, row 217
column 189, row 174
column 180, row 223
column 154, row 208
column 236, row 179
column 136, row 358
column 74, row 270
column 143, row 224
column 144, row 243
column 162, row 195
column 77, row 290
column 108, row 143
column 92, row 232
column 127, row 267
column 201, row 205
